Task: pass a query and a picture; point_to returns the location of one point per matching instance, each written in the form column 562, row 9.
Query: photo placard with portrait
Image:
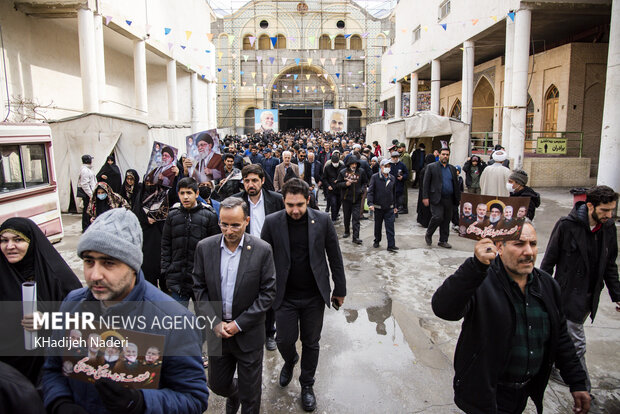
column 205, row 153
column 159, row 170
column 496, row 218
column 335, row 120
column 266, row 120
column 127, row 357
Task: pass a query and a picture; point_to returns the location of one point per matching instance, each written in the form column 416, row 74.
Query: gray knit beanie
column 116, row 233
column 519, row 177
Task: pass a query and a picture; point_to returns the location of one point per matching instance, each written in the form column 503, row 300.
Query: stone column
column 88, row 62
column 523, row 19
column 99, row 52
column 398, row 100
column 413, row 95
column 608, row 172
column 195, row 106
column 467, row 85
column 435, row 85
column 139, row 76
column 171, row 82
column 508, row 59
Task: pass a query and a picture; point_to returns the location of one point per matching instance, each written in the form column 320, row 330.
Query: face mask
column 509, row 187
column 386, row 170
column 353, row 167
column 102, row 196
column 335, row 160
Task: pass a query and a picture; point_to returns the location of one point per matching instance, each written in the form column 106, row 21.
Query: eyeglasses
column 235, row 227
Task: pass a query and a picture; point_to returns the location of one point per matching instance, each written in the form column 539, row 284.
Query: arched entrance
column 482, row 114
column 300, row 93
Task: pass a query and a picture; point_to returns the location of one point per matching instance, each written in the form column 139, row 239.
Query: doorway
column 295, row 118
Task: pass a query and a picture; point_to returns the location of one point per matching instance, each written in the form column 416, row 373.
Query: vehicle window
column 10, row 169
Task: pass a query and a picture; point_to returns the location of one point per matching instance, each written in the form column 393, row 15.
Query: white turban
column 500, row 156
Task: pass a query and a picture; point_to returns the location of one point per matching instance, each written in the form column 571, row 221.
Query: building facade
column 299, row 57
column 528, row 75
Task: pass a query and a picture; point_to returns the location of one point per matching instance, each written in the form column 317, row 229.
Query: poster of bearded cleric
column 335, row 120
column 130, row 358
column 203, row 149
column 160, row 169
column 266, row 120
column 496, row 218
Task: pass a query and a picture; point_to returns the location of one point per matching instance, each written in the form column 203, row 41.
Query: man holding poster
column 209, row 165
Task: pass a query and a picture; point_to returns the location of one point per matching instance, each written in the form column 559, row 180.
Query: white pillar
column 212, row 93
column 413, row 95
column 467, row 85
column 508, row 59
column 608, row 172
column 99, row 52
column 171, row 82
column 88, row 63
column 435, row 85
column 193, row 87
column 523, row 19
column 139, row 76
column 398, row 100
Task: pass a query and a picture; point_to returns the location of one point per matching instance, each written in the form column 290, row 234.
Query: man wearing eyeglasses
column 236, row 269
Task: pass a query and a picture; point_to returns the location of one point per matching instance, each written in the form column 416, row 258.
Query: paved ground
column 385, row 351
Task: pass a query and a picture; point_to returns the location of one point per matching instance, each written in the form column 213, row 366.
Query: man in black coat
column 518, row 183
column 417, row 162
column 352, row 182
column 441, row 192
column 301, row 238
column 513, row 329
column 185, row 226
column 583, row 248
column 330, row 176
column 381, row 200
column 261, row 203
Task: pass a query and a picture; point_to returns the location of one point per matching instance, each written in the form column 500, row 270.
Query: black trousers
column 85, row 216
column 334, row 203
column 441, row 217
column 270, row 323
column 351, row 210
column 301, row 318
column 510, row 400
column 387, row 216
column 249, row 366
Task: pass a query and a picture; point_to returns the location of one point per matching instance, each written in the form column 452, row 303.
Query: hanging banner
column 335, row 120
column 159, row 170
column 265, row 120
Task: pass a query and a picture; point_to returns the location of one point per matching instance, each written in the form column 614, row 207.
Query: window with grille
column 444, row 9
column 415, row 34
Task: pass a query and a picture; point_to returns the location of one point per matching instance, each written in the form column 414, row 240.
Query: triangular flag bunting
column 128, row 22
column 209, row 36
column 231, row 39
column 365, row 35
column 332, row 37
column 425, row 28
column 271, row 59
column 333, row 61
column 295, row 76
column 338, row 75
column 349, row 73
column 307, row 76
column 183, row 47
column 494, row 18
column 252, row 40
column 259, row 58
column 347, row 36
column 225, row 86
column 170, row 46
column 188, row 34
column 444, row 25
column 253, row 75
column 245, row 57
column 322, row 61
column 348, row 57
column 284, row 61
column 474, row 22
column 297, row 60
column 207, row 51
column 242, row 73
column 386, row 32
column 309, row 61
column 512, row 16
column 108, row 19
column 274, row 40
column 322, row 88
column 390, row 52
column 219, row 55
column 326, row 75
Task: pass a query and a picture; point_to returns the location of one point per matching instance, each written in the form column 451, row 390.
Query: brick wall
column 558, row 172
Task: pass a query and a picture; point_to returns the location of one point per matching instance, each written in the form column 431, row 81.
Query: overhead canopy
column 423, row 125
column 99, row 135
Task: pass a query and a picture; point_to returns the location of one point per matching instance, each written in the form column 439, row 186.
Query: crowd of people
column 255, row 240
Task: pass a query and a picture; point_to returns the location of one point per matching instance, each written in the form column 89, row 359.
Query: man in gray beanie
column 111, row 249
column 517, row 187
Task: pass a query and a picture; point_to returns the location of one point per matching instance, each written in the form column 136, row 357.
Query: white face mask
column 386, row 170
column 335, row 164
column 509, row 187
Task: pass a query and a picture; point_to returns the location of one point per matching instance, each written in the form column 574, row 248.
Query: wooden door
column 551, row 111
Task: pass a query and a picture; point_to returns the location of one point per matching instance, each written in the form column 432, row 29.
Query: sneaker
column 428, row 239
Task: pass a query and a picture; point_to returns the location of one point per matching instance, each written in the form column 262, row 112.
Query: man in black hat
column 86, row 187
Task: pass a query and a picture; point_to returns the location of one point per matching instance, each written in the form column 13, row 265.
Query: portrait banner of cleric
column 203, row 149
column 496, row 218
column 116, row 291
column 160, row 170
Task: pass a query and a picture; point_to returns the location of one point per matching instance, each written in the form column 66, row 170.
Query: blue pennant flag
column 183, row 47
column 295, row 76
column 512, row 16
column 271, row 59
column 338, row 75
column 128, row 22
column 297, row 60
column 219, row 69
column 273, row 41
column 167, row 30
column 445, row 26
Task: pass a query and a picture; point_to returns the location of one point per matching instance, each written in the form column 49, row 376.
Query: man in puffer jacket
column 351, row 182
column 185, row 226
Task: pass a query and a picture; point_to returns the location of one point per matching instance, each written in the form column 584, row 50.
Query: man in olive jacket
column 513, row 329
